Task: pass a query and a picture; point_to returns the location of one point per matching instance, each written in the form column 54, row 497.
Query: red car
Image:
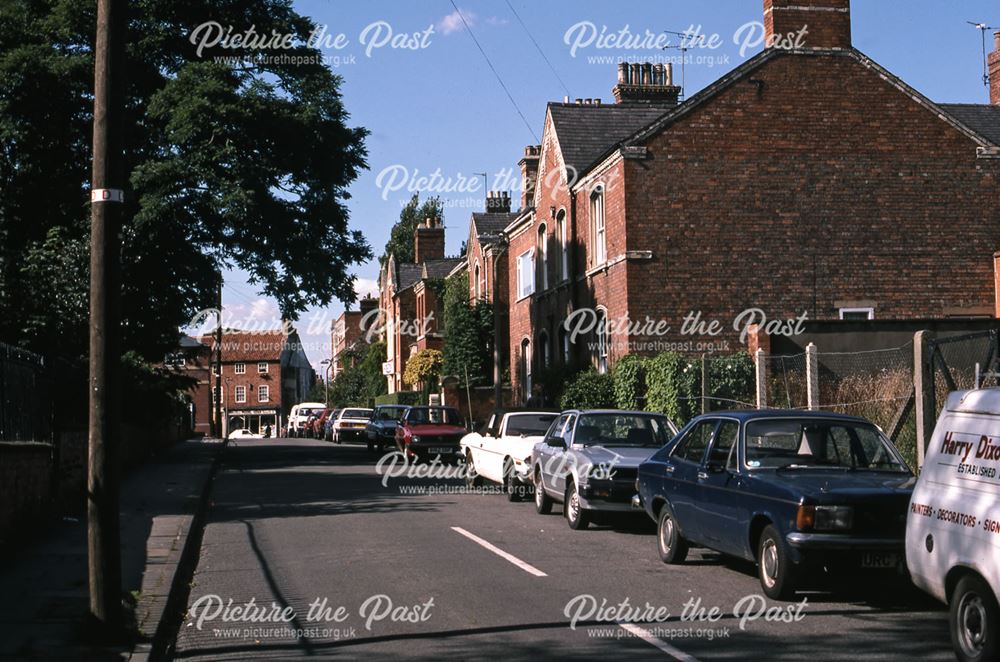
column 430, row 432
column 316, row 425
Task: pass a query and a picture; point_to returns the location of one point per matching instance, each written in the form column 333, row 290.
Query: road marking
column 527, row 567
column 646, row 636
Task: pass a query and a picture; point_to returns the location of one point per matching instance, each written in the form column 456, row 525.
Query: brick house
column 350, row 330
column 410, row 302
column 263, row 374
column 807, row 180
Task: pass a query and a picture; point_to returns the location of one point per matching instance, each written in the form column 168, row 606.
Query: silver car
column 589, row 460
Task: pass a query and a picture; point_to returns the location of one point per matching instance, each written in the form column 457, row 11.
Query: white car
column 953, row 525
column 501, row 452
column 350, row 424
column 244, row 433
column 299, row 414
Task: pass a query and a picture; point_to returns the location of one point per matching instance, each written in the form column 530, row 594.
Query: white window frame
column 526, row 274
column 541, row 239
column 846, row 311
column 236, row 394
column 215, row 395
column 526, row 364
column 263, row 368
column 602, row 341
column 599, row 225
column 263, row 393
column 543, row 345
column 563, row 246
column 477, row 288
column 240, row 369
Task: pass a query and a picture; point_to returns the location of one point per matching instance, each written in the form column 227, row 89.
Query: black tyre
column 576, row 516
column 775, row 570
column 543, row 502
column 472, row 479
column 974, row 620
column 510, row 484
column 669, row 543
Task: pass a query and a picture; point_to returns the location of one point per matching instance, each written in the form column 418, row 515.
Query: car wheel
column 775, row 570
column 974, row 619
column 472, row 479
column 669, row 543
column 336, row 437
column 543, row 502
column 510, row 484
column 576, row 516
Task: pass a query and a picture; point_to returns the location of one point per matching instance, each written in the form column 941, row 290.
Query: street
column 471, row 576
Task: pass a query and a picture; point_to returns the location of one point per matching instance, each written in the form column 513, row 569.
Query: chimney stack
column 497, row 202
column 529, row 173
column 646, row 83
column 994, row 68
column 428, row 241
column 821, row 24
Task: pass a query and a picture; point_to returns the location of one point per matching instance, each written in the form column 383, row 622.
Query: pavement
column 306, row 553
column 44, row 584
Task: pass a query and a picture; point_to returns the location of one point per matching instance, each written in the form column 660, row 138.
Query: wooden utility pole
column 103, row 434
column 218, row 361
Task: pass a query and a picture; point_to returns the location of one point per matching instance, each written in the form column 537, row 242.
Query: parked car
column 588, row 460
column 244, row 433
column 350, row 424
column 501, row 451
column 953, row 526
column 430, row 432
column 327, row 428
column 299, row 415
column 380, row 430
column 316, row 429
column 794, row 491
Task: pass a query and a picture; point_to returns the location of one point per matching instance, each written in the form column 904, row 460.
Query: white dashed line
column 527, row 567
column 645, row 635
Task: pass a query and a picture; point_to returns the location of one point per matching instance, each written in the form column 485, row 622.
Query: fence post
column 704, row 385
column 923, row 389
column 761, row 359
column 812, row 377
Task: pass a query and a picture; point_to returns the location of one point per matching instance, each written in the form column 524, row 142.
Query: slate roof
column 984, row 119
column 407, row 275
column 586, row 132
column 490, row 225
column 440, row 268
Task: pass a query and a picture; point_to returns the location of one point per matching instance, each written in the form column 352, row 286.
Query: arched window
column 602, row 340
column 526, row 368
column 544, row 356
column 563, row 245
column 597, row 228
column 477, row 284
column 543, row 259
column 564, row 344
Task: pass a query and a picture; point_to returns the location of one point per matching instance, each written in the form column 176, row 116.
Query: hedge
column 408, row 398
column 589, row 390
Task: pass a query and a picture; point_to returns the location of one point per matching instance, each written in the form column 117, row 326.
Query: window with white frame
column 525, row 274
column 602, row 341
column 240, row 368
column 566, row 350
column 478, row 282
column 215, row 369
column 526, row 367
column 543, row 348
column 857, row 314
column 215, row 395
column 597, row 225
column 263, row 393
column 563, row 245
column 262, row 367
column 543, row 258
column 241, row 393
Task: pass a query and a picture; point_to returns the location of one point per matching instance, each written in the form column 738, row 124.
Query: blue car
column 793, row 491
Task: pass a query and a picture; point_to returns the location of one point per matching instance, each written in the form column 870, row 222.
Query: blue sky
column 439, row 107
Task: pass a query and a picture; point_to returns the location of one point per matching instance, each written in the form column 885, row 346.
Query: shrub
column 672, row 385
column 589, row 390
column 629, row 382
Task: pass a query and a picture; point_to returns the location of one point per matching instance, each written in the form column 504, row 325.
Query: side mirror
column 556, row 442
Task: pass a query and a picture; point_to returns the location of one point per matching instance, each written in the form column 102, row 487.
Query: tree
column 232, row 164
column 423, row 368
column 413, row 214
column 468, row 333
column 361, row 380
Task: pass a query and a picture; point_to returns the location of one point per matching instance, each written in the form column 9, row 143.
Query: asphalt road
column 471, row 576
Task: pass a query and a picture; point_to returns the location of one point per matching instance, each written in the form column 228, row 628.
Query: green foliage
column 228, row 165
column 672, row 386
column 413, row 214
column 468, row 333
column 732, row 380
column 589, row 390
column 629, row 382
column 423, row 368
column 359, row 384
column 408, row 398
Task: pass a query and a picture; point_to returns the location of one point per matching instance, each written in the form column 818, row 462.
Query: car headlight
column 825, row 518
column 416, row 438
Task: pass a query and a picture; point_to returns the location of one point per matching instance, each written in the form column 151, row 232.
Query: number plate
column 442, row 451
column 879, row 561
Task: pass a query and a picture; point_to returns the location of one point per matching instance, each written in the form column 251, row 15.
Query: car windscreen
column 811, row 443
column 433, row 416
column 356, row 413
column 529, row 425
column 389, row 414
column 612, row 429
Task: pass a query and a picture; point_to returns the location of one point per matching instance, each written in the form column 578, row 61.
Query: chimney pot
column 996, row 40
column 636, row 77
column 597, row 101
column 623, row 72
column 579, row 101
column 647, row 73
column 566, row 99
column 529, row 174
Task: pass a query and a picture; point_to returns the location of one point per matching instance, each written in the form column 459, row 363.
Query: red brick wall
column 827, row 23
column 994, row 70
column 829, row 185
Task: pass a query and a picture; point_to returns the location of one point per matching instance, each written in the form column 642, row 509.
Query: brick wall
column 25, row 484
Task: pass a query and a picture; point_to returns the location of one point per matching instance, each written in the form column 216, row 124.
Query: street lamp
column 326, row 382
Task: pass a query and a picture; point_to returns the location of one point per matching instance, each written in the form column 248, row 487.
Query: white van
column 300, row 413
column 953, row 525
